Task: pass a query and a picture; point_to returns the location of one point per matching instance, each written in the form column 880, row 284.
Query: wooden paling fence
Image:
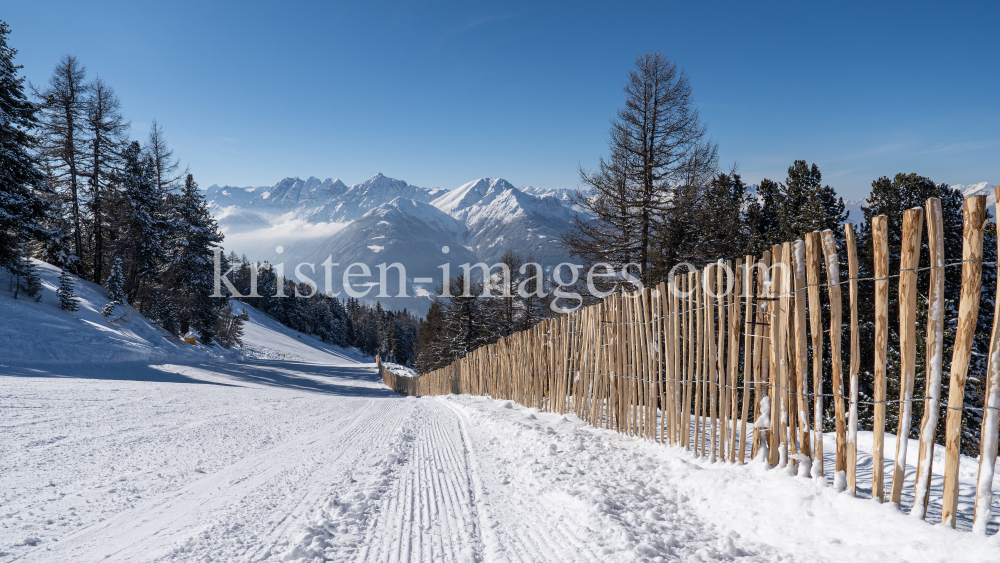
column 697, row 361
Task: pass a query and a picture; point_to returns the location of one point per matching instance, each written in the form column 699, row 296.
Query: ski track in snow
column 250, row 472
column 310, row 458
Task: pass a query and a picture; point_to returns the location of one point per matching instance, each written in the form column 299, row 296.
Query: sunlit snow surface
column 297, row 452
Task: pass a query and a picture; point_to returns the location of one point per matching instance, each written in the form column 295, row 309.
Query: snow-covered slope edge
column 264, row 338
column 40, row 331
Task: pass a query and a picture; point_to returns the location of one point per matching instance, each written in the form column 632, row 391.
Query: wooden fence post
column 720, row 352
column 908, row 262
column 991, row 424
column 836, row 331
column 813, row 250
column 855, row 362
column 780, row 256
column 761, row 354
column 774, row 359
column 677, row 356
column 652, row 359
column 699, row 365
column 746, row 292
column 933, row 352
column 591, row 369
column 734, row 358
column 880, row 241
column 646, row 360
column 801, row 351
column 787, row 356
column 690, row 369
column 665, row 361
column 974, row 215
column 791, row 381
column 621, row 365
column 712, row 360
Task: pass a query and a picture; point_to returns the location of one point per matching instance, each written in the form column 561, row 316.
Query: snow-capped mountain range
column 385, row 220
column 987, row 189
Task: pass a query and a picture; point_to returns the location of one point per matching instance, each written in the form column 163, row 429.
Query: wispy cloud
column 476, row 23
column 955, row 148
column 226, row 145
column 877, row 151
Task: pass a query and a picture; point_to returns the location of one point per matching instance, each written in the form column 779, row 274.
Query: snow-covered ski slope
column 299, row 453
column 40, row 331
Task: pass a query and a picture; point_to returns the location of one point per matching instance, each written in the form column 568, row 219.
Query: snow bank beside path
column 400, row 370
column 583, row 493
column 40, row 331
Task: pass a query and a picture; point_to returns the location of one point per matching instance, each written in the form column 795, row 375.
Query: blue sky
column 439, row 94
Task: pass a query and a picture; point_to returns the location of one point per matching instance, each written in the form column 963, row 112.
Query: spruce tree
column 807, row 205
column 22, row 210
column 165, row 315
column 762, row 221
column 340, row 332
column 146, row 229
column 57, row 248
column 24, row 276
column 721, row 225
column 784, row 212
column 67, row 298
column 115, row 284
column 430, row 356
column 188, row 273
column 229, row 326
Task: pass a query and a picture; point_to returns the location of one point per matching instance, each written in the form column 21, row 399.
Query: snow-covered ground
column 297, row 452
column 39, row 332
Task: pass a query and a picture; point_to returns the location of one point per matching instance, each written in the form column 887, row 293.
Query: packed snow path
column 310, row 458
column 285, row 461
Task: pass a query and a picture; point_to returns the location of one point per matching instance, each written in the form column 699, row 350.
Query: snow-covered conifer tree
column 165, row 315
column 142, row 242
column 115, row 284
column 24, row 276
column 188, row 273
column 21, row 209
column 67, row 298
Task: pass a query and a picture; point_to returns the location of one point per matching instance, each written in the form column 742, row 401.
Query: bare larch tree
column 62, row 146
column 658, row 149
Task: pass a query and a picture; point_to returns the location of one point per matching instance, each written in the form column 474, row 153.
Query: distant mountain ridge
column 987, row 189
column 388, row 220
